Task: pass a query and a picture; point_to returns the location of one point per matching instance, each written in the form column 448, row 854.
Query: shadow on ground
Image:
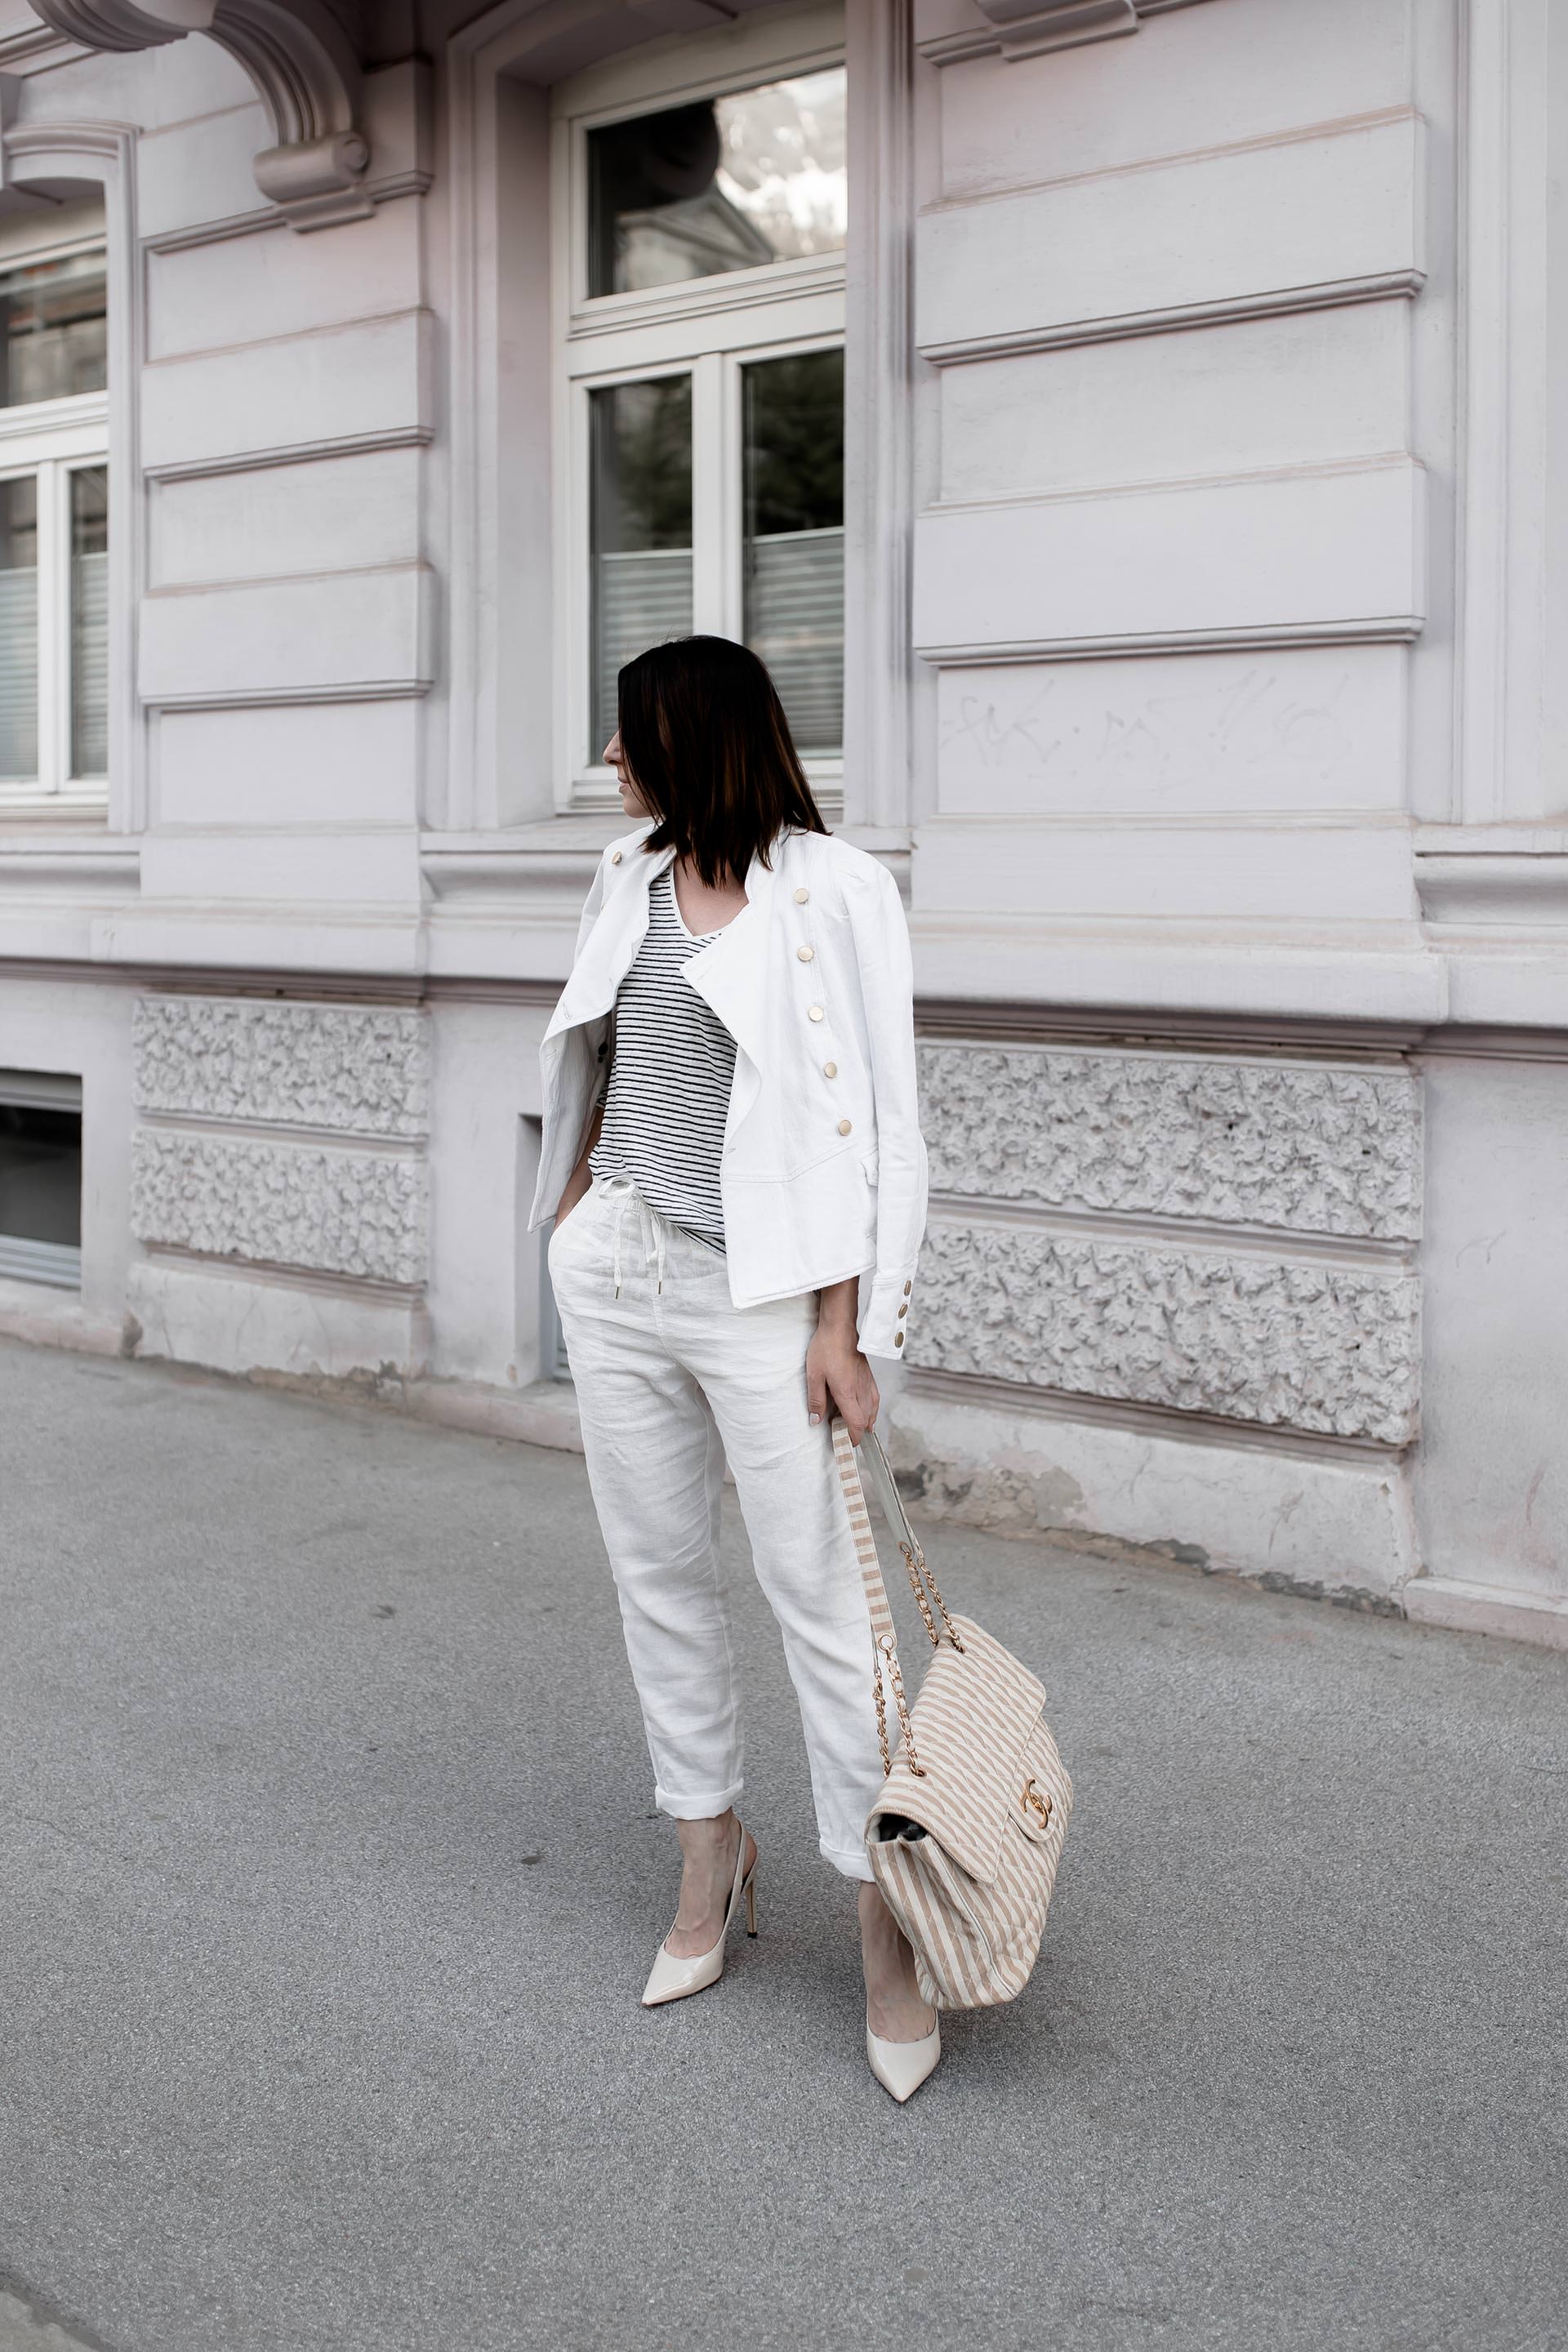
column 332, row 1880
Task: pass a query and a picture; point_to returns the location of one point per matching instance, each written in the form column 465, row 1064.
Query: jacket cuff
column 885, row 1316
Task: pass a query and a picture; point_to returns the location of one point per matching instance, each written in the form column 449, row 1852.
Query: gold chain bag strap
column 966, row 1837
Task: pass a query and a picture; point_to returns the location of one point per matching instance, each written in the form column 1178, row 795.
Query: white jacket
column 824, row 1172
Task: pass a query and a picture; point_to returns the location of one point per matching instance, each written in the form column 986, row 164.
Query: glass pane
column 728, row 184
column 90, row 621
column 20, row 627
column 641, row 528
column 53, row 325
column 40, row 1174
column 793, row 553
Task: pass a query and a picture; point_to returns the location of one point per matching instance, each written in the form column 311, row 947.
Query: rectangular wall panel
column 365, row 632
column 1319, row 553
column 1144, row 872
column 291, row 764
column 347, row 382
column 358, row 1213
column 1303, row 389
column 1322, row 1348
column 1199, row 77
column 346, row 1069
column 206, row 1066
column 331, row 514
column 302, row 869
column 1297, row 1147
column 275, row 282
column 1200, row 1233
column 199, row 172
column 1284, row 727
column 1255, row 224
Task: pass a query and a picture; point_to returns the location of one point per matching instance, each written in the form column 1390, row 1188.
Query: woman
column 730, row 1143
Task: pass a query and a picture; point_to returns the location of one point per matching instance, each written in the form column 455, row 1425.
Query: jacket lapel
column 609, row 948
column 730, row 976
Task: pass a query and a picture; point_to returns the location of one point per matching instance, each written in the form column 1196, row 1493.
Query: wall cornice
column 1030, row 28
column 303, row 65
column 1003, row 1021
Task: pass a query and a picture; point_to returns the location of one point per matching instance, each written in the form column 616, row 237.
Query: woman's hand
column 838, row 1377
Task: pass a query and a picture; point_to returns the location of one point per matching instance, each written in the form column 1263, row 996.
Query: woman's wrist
column 837, row 1309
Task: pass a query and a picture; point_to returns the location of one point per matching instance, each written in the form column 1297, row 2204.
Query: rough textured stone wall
column 1132, row 1144
column 1311, row 1347
column 1305, row 1149
column 351, row 1212
column 342, row 1068
column 209, row 1068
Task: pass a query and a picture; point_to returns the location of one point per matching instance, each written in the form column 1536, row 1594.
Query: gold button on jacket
column 806, row 954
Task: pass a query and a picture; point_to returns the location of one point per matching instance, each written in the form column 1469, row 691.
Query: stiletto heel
column 673, row 1980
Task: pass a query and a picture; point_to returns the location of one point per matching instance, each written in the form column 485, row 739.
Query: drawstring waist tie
column 624, row 1193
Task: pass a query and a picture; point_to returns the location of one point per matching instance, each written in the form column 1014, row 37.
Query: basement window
column 40, row 1178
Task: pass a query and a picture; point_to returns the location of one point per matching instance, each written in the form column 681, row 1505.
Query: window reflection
column 89, row 620
column 641, row 442
column 19, row 628
column 53, row 329
column 793, row 553
column 731, row 183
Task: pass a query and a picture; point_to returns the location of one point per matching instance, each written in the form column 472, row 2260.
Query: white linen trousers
column 672, row 1377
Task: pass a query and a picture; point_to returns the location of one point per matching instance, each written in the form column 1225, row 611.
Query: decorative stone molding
column 1028, row 28
column 349, row 1069
column 1307, row 1347
column 356, row 1214
column 302, row 64
column 1279, row 1144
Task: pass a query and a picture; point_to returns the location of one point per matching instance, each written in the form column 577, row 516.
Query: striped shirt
column 674, row 1061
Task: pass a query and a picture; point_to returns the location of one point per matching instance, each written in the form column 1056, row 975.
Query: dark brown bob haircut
column 709, row 748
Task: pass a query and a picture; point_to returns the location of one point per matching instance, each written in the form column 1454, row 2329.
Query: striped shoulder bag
column 966, row 1837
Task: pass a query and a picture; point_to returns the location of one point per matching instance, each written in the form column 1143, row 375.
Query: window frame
column 708, row 328
column 52, row 439
column 56, row 1266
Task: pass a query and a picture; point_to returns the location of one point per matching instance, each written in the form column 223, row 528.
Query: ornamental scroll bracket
column 303, row 65
column 1028, row 28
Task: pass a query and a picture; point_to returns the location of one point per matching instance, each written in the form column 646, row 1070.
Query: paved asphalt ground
column 330, row 1879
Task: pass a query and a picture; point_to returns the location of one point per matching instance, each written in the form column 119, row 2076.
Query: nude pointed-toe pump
column 673, row 1978
column 901, row 2067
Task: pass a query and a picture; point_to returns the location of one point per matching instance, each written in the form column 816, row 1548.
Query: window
column 699, row 258
column 40, row 1177
column 729, row 182
column 640, row 522
column 793, row 535
column 54, row 528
